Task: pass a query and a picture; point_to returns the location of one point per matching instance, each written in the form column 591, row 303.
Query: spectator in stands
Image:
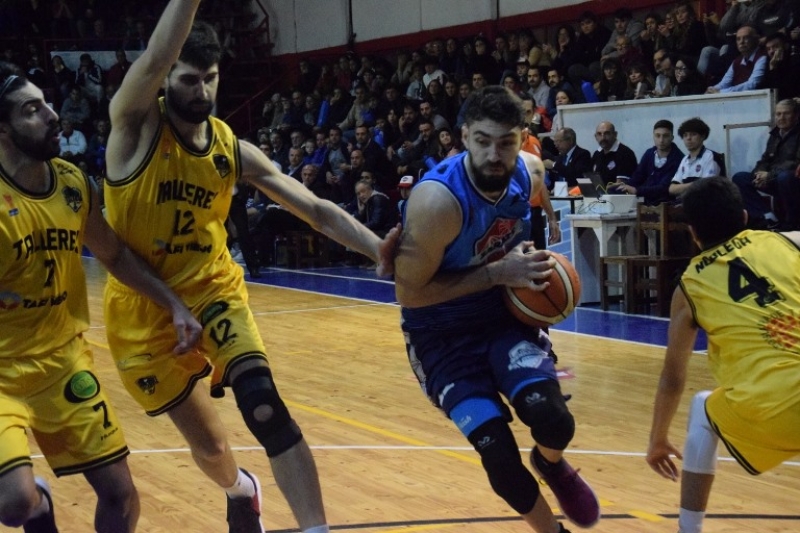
column 307, row 77
column 451, row 62
column 572, row 160
column 415, row 155
column 391, row 100
column 536, row 56
column 427, row 111
column 484, row 62
column 357, row 112
column 416, row 87
column 338, row 107
column 773, row 16
column 76, row 109
column 118, row 70
column 689, row 35
column 774, row 173
column 748, row 69
column 714, row 60
column 612, row 84
column 72, row 143
column 375, row 209
column 326, row 81
column 35, row 73
column 651, row 40
column 664, row 69
column 447, row 144
column 563, row 98
column 686, row 81
column 404, row 189
column 699, row 162
column 311, row 115
column 640, row 83
column 624, row 26
column 538, row 89
column 627, row 54
column 556, row 82
column 450, row 102
column 510, row 82
column 90, row 78
column 402, row 74
column 783, row 67
column 337, row 160
column 374, row 156
column 435, row 94
column 138, row 39
column 612, row 158
column 432, row 71
column 63, row 78
column 590, row 42
column 502, row 55
column 565, row 53
column 296, row 155
column 656, row 168
column 478, row 82
column 280, row 149
column 96, row 149
column 271, row 113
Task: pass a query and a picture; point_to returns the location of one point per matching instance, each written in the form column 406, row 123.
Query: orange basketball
column 552, row 305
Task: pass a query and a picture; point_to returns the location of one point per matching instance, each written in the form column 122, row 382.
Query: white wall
column 634, row 122
column 305, row 25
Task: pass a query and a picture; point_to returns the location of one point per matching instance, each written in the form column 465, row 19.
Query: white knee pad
column 700, row 450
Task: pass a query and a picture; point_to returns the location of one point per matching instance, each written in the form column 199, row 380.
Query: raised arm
column 134, row 108
column 131, row 270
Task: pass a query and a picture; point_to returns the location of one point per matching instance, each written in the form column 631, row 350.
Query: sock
column 317, row 529
column 42, row 509
column 243, row 488
column 690, row 521
column 542, row 464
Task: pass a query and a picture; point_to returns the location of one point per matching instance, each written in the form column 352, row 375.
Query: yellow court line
column 650, row 517
column 379, row 431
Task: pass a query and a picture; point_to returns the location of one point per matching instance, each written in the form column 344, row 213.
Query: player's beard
column 490, row 182
column 186, row 111
column 41, row 149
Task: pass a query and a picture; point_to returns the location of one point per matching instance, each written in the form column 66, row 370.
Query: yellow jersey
column 745, row 293
column 172, row 209
column 43, row 302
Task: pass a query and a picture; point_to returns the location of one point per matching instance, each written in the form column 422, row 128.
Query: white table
column 595, row 236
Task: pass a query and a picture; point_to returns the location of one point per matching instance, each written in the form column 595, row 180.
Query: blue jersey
column 489, row 230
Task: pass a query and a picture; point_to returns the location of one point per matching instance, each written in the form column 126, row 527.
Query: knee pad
column 264, row 412
column 542, row 407
column 700, row 451
column 500, row 457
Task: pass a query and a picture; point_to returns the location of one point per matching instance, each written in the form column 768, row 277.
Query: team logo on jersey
column 222, row 164
column 73, row 197
column 81, row 387
column 12, row 209
column 212, row 311
column 147, row 384
column 525, row 355
column 9, row 300
column 492, row 245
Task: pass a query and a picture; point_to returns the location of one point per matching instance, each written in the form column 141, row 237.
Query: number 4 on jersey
column 743, row 283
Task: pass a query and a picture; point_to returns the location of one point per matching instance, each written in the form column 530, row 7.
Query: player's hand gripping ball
column 552, row 305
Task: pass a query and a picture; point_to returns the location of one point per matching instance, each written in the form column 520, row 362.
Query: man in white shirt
column 72, row 143
column 699, row 161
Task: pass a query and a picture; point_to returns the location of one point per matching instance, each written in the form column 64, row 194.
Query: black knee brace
column 542, row 407
column 500, row 457
column 264, row 412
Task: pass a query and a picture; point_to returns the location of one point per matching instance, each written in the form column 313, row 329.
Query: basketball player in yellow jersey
column 743, row 289
column 49, row 210
column 171, row 172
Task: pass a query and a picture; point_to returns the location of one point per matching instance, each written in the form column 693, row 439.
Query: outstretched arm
column 131, row 270
column 682, row 334
column 323, row 215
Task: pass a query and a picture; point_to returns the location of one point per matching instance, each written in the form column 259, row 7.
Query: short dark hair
column 494, row 102
column 587, row 15
column 777, row 36
column 694, row 125
column 12, row 79
column 623, row 13
column 714, row 208
column 666, row 124
column 201, row 49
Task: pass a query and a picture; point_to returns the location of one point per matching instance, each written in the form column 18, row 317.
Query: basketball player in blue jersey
column 743, row 289
column 172, row 169
column 49, row 210
column 464, row 239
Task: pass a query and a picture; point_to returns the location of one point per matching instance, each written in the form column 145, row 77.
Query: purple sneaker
column 575, row 497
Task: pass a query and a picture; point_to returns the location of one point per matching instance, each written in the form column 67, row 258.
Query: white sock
column 690, row 521
column 42, row 509
column 243, row 488
column 317, row 529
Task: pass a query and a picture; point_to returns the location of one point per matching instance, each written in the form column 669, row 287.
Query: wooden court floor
column 389, row 462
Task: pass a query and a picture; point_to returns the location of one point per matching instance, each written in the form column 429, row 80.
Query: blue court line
column 350, row 282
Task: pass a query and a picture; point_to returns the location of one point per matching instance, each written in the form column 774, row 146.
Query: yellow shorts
column 758, row 447
column 141, row 338
column 59, row 398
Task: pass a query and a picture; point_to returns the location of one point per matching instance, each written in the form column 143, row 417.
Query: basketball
column 552, row 305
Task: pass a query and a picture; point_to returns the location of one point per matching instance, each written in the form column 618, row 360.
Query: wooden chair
column 663, row 251
column 306, row 249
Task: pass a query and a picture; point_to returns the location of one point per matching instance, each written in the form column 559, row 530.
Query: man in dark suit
column 572, row 160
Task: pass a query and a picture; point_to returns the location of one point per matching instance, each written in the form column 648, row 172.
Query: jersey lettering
column 180, row 191
column 46, row 240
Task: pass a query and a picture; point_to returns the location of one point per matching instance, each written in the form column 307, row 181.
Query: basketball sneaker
column 45, row 523
column 575, row 497
column 244, row 514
